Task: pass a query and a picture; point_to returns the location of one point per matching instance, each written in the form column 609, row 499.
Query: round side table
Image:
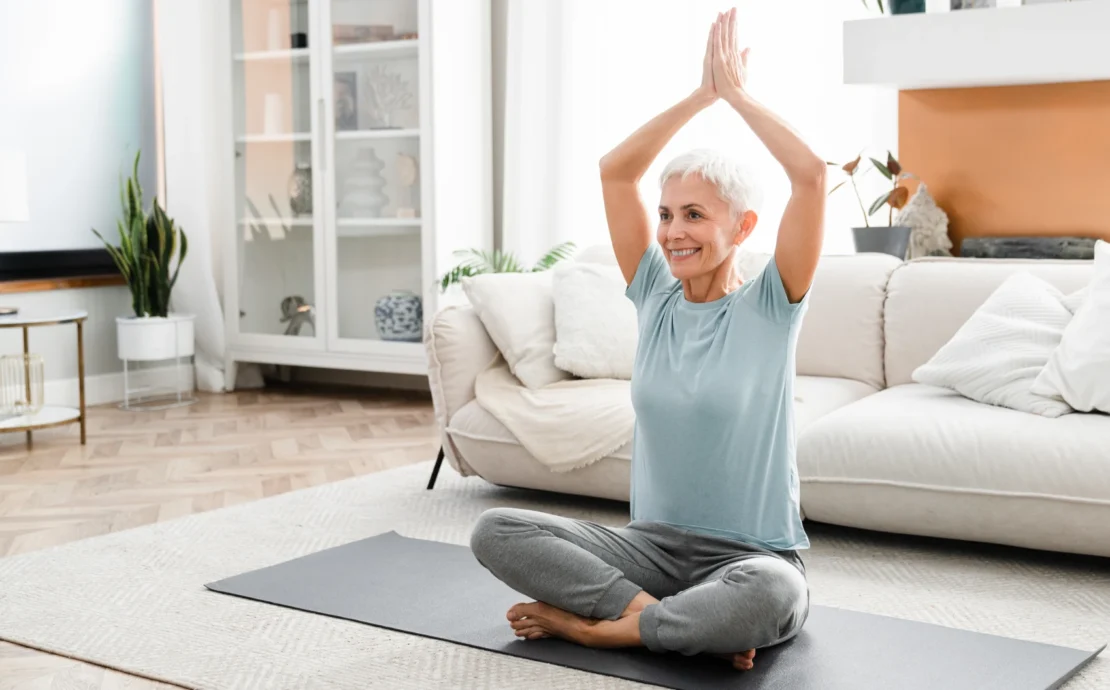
column 49, row 415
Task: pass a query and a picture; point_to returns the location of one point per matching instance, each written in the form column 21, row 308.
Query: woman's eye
column 694, row 215
column 664, row 216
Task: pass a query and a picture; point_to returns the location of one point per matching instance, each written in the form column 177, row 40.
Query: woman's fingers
column 732, row 30
column 744, row 56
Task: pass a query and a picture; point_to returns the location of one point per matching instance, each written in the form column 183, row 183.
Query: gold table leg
column 81, row 373
column 27, row 373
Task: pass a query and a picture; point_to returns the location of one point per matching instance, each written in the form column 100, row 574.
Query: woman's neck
column 712, row 286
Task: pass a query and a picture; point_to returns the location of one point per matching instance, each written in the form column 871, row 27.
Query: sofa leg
column 435, row 470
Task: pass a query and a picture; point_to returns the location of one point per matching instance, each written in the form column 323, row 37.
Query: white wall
column 78, row 100
column 77, row 79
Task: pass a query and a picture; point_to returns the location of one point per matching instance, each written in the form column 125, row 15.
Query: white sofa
column 875, row 449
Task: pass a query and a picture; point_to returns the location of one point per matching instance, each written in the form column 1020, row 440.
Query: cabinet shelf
column 273, row 138
column 291, row 222
column 403, row 48
column 378, row 227
column 378, row 134
column 296, row 54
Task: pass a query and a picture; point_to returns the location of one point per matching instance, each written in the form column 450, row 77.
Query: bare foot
column 742, row 661
column 538, row 620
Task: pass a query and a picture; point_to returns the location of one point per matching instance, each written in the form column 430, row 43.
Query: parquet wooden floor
column 144, row 467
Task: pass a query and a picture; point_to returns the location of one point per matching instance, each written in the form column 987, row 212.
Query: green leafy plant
column 892, row 170
column 476, row 262
column 148, row 243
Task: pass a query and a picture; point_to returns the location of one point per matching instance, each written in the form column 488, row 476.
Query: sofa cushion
column 924, row 460
column 1078, row 371
column 486, row 444
column 842, row 333
column 595, row 323
column 518, row 312
column 929, row 299
column 997, row 354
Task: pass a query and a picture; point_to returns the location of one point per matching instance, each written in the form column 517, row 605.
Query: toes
column 750, row 654
column 538, row 635
column 742, row 663
column 529, row 632
column 518, row 611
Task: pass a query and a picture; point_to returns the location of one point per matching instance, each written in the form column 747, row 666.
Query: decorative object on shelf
column 407, row 173
column 299, row 40
column 362, row 187
column 272, row 120
column 148, row 245
column 300, row 190
column 407, row 36
column 928, row 225
column 477, row 261
column 13, row 198
column 899, row 6
column 888, row 239
column 389, row 96
column 399, row 316
column 1080, row 248
column 21, row 385
column 297, row 312
column 344, row 34
column 345, row 93
column 971, row 4
column 273, row 29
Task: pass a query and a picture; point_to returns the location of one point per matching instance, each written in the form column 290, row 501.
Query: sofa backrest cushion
column 842, row 332
column 929, row 299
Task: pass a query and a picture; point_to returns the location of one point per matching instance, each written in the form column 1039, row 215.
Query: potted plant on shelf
column 887, row 239
column 476, row 261
column 150, row 245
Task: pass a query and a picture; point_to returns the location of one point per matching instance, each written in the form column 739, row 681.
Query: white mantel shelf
column 1005, row 46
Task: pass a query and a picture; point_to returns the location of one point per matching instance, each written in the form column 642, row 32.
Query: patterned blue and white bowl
column 400, row 316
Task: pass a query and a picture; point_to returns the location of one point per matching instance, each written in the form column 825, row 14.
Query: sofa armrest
column 458, row 348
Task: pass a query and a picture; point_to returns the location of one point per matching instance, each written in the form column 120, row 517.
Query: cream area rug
column 135, row 600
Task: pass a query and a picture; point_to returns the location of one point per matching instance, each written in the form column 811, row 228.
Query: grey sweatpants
column 716, row 595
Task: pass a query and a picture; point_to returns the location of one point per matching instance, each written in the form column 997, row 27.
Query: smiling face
column 697, row 229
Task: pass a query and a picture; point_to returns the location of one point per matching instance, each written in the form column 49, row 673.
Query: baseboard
column 101, row 389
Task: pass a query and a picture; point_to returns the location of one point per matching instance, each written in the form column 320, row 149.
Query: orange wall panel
column 1013, row 160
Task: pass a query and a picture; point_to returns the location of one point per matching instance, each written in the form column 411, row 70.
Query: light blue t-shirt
column 713, row 390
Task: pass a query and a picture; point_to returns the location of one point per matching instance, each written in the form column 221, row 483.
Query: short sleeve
column 651, row 274
column 768, row 296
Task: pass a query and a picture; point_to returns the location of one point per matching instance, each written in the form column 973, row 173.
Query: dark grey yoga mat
column 439, row 590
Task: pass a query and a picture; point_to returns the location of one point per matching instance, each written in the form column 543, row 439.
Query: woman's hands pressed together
column 724, row 70
column 729, row 66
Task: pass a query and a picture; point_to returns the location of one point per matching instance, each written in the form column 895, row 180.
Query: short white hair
column 735, row 184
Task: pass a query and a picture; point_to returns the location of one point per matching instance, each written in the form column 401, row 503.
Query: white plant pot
column 152, row 338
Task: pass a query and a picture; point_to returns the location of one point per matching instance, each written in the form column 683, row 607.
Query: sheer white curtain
column 583, row 74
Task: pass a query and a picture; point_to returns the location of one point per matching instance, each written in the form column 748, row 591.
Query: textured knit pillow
column 1079, row 370
column 998, row 353
column 595, row 324
column 519, row 315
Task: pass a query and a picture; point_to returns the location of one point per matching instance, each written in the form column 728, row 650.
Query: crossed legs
column 644, row 584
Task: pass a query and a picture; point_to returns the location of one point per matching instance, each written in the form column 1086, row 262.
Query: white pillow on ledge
column 1079, row 370
column 998, row 353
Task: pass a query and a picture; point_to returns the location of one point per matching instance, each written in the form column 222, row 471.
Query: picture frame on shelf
column 345, row 95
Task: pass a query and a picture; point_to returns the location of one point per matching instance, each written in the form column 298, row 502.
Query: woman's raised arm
column 802, row 227
column 623, row 167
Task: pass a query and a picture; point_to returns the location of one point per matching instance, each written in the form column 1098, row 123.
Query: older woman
column 710, row 561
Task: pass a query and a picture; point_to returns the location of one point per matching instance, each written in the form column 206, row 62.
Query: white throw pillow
column 1000, row 350
column 519, row 315
column 595, row 323
column 1079, row 370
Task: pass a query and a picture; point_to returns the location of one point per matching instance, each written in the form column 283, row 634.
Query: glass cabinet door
column 374, row 195
column 277, row 187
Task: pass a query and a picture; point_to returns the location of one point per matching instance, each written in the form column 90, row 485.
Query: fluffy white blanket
column 564, row 425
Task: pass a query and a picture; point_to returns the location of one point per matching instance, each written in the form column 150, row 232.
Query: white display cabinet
column 362, row 159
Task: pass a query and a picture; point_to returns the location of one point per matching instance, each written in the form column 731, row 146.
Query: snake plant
column 147, row 246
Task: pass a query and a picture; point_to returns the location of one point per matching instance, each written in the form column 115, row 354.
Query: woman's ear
column 745, row 224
